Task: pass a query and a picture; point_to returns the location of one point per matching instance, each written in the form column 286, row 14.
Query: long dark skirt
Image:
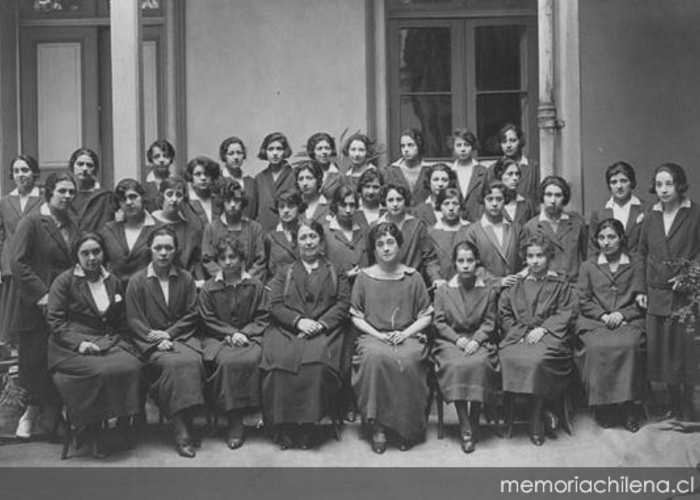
column 466, row 378
column 176, row 379
column 673, row 351
column 535, row 369
column 304, row 397
column 611, row 364
column 34, row 374
column 391, row 385
column 233, row 380
column 9, row 303
column 95, row 388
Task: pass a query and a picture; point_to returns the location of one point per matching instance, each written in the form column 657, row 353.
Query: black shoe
column 537, row 432
column 351, row 415
column 235, row 438
column 185, row 449
column 286, row 442
column 379, row 442
column 631, row 423
column 405, row 445
column 551, row 420
column 468, row 442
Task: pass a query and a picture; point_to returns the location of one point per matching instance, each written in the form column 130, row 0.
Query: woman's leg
column 236, row 432
column 536, row 422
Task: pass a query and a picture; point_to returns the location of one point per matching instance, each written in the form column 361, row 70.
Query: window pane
column 484, row 5
column 498, row 57
column 424, row 64
column 494, row 111
column 433, row 116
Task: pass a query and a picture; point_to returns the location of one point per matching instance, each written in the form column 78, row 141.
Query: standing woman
column 40, row 252
column 670, row 231
column 536, row 315
column 95, row 369
column 391, row 309
column 346, row 241
column 23, row 200
column 321, row 149
column 512, row 141
column 623, row 205
column 202, row 204
column 233, row 309
column 469, row 172
column 370, row 188
column 161, row 155
column 566, row 230
column 161, row 304
column 440, row 177
column 93, row 206
column 517, row 208
column 126, row 239
column 302, row 347
column 233, row 154
column 410, row 171
column 280, row 244
column 465, row 347
column 309, row 178
column 278, row 176
column 610, row 329
column 360, row 150
column 449, row 230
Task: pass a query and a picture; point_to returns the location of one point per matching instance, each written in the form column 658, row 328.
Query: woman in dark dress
column 40, row 252
column 440, row 177
column 202, row 204
column 302, row 346
column 610, row 328
column 516, row 208
column 410, row 171
column 361, row 151
column 369, row 187
column 512, row 141
column 96, row 371
column 280, row 244
column 161, row 304
column 161, row 156
column 93, row 205
column 536, row 316
column 321, row 149
column 309, row 177
column 391, row 309
column 469, row 172
column 233, row 309
column 449, row 230
column 233, row 154
column 465, row 347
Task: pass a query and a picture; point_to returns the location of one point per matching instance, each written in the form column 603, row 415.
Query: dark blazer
column 194, row 211
column 394, row 175
column 633, row 228
column 266, row 190
column 499, row 261
column 94, row 209
column 10, row 215
column 279, row 252
column 250, row 236
column 471, row 203
column 124, row 262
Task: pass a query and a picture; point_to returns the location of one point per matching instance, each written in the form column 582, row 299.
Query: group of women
column 315, row 291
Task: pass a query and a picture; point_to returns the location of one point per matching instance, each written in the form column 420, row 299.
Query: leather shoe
column 351, row 416
column 468, row 442
column 551, row 421
column 405, row 445
column 235, row 439
column 537, row 439
column 631, row 424
column 286, row 442
column 184, row 449
column 537, row 432
column 379, row 442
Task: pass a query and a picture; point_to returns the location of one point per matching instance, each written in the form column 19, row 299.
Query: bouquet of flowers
column 686, row 280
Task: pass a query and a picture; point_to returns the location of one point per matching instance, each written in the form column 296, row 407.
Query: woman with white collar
column 464, row 349
column 410, row 171
column 516, row 208
column 97, row 372
column 309, row 178
column 202, row 204
column 469, row 172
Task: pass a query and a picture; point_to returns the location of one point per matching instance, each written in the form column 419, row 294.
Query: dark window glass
column 498, row 51
column 425, row 56
column 492, row 112
column 433, row 116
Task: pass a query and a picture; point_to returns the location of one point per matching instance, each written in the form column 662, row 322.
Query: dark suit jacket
column 10, row 215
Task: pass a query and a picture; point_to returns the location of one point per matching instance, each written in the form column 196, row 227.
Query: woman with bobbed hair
column 517, row 208
column 361, row 151
column 202, row 205
column 232, row 154
column 126, row 237
column 623, row 205
column 410, row 171
column 391, row 308
column 440, row 177
column 449, row 230
column 278, row 176
column 309, row 177
column 321, row 149
column 25, row 199
column 346, row 241
column 469, row 172
column 97, row 372
column 512, row 141
column 302, row 346
column 161, row 156
column 93, row 205
column 565, row 229
column 280, row 244
column 369, row 187
column 610, row 329
column 40, row 252
column 670, row 234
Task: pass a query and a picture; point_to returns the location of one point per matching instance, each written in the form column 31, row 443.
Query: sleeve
column 186, row 326
column 488, row 320
column 61, row 329
column 213, row 325
column 631, row 311
column 258, row 268
column 3, row 233
column 279, row 310
column 582, row 239
column 337, row 313
column 510, row 327
column 261, row 316
column 136, row 313
column 357, row 298
column 30, row 285
column 440, row 319
column 640, row 283
column 592, row 225
column 588, row 306
column 560, row 321
column 429, row 255
column 422, row 305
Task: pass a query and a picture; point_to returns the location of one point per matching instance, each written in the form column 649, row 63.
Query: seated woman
column 302, row 347
column 309, row 177
column 464, row 349
column 161, row 303
column 440, row 177
column 126, row 239
column 516, row 208
column 233, row 309
column 611, row 329
column 96, row 371
column 234, row 225
column 391, row 309
column 536, row 315
column 449, row 230
column 280, row 244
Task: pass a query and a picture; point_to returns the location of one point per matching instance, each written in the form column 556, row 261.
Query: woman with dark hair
column 517, row 208
column 302, row 347
column 93, row 205
column 309, row 178
column 670, row 233
column 449, row 230
column 233, row 225
column 361, row 151
column 25, row 199
column 126, row 238
column 465, row 346
column 161, row 303
column 233, row 154
column 369, row 187
column 512, row 140
column 391, row 309
column 469, row 172
column 321, row 149
column 95, row 369
column 40, row 252
column 565, row 229
column 278, row 176
column 233, row 309
column 610, row 329
column 346, row 241
column 160, row 155
column 202, row 204
column 410, row 171
column 536, row 315
column 280, row 244
column 623, row 205
column 440, row 177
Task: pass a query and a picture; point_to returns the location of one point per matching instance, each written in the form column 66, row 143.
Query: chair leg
column 440, row 410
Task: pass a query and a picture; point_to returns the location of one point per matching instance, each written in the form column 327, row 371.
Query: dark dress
column 426, row 212
column 248, row 186
column 251, row 237
column 194, row 211
column 444, row 243
column 94, row 208
column 94, row 387
column 525, row 209
column 471, row 204
column 332, row 180
column 393, row 174
column 342, row 253
column 39, row 254
column 279, row 253
column 610, row 361
column 569, row 242
column 633, row 228
column 672, row 350
column 189, row 236
column 542, row 369
column 266, row 190
column 232, row 382
column 470, row 314
column 499, row 260
column 391, row 382
column 301, row 376
column 176, row 377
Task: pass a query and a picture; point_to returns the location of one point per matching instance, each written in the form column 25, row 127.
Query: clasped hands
column 237, row 339
column 613, row 320
column 308, row 328
column 87, row 347
column 468, row 346
column 162, row 338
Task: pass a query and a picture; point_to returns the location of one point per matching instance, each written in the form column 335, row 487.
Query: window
column 469, row 68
